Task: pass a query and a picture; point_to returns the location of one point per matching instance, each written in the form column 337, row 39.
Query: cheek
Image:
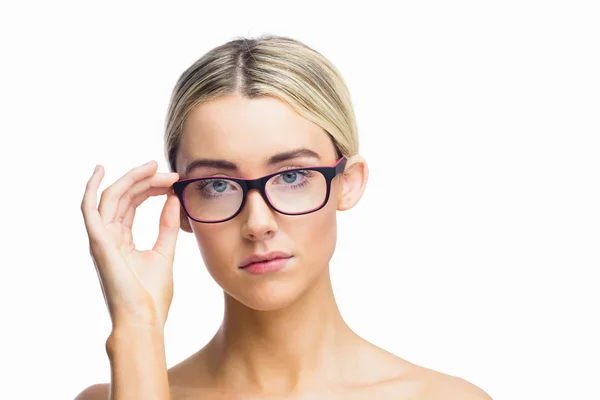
column 216, row 247
column 315, row 236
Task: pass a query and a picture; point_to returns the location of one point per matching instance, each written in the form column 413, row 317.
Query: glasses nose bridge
column 258, row 184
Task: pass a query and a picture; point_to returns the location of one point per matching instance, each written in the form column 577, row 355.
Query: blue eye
column 290, row 177
column 219, row 186
column 211, row 188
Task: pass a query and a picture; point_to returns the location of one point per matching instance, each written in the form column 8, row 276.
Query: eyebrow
column 230, row 166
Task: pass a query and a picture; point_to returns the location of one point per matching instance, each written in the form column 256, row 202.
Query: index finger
column 91, row 218
column 109, row 201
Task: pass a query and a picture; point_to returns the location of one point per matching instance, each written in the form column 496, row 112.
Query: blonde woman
column 263, row 150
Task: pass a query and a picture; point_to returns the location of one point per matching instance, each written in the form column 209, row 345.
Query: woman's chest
column 391, row 391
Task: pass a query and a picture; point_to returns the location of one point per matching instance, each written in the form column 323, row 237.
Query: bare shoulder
column 447, row 387
column 398, row 378
column 439, row 386
column 99, row 391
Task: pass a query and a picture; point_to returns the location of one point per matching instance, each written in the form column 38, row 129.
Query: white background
column 474, row 250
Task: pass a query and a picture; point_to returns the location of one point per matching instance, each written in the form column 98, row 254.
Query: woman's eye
column 214, row 186
column 293, row 178
column 290, row 177
column 219, row 186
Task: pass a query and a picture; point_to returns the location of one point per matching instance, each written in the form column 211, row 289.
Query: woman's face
column 247, row 132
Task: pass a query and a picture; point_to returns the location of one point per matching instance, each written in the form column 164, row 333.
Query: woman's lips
column 264, row 267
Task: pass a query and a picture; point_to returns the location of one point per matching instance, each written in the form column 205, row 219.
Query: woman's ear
column 352, row 183
column 184, row 221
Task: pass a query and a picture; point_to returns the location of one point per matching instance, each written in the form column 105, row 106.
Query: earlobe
column 352, row 182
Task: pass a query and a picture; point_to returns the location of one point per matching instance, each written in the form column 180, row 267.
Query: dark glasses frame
column 259, row 184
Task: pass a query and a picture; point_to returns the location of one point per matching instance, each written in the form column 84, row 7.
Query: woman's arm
column 137, row 285
column 138, row 363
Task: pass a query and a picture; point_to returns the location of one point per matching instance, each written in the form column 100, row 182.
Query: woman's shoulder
column 447, row 387
column 425, row 383
column 98, row 391
column 401, row 379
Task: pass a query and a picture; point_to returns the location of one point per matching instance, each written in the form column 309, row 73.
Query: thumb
column 168, row 228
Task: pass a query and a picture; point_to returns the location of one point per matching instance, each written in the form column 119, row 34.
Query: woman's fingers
column 159, row 180
column 109, row 201
column 138, row 200
column 168, row 228
column 91, row 218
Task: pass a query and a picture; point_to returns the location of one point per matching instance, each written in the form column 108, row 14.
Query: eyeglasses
column 295, row 191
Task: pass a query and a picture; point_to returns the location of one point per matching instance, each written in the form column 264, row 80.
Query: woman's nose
column 259, row 218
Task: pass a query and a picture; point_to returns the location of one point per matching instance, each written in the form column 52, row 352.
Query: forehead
column 248, row 132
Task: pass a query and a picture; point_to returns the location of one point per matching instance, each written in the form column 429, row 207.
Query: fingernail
column 96, row 169
column 149, row 162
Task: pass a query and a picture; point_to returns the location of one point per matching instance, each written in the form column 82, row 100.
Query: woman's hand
column 137, row 284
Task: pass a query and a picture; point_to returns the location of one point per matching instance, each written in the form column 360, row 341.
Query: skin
column 282, row 334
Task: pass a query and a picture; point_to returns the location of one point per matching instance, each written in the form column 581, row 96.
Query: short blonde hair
column 273, row 66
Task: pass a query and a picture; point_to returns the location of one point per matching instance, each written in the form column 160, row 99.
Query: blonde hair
column 273, row 66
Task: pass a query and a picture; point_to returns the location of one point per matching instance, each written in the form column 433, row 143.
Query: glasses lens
column 212, row 199
column 297, row 192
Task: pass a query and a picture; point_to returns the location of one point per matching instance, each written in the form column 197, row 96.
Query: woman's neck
column 284, row 350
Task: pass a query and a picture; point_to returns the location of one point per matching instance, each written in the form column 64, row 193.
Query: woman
column 263, row 148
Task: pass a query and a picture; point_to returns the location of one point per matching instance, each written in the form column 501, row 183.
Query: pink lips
column 262, row 263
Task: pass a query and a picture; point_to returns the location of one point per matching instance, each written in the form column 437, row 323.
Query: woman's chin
column 269, row 297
